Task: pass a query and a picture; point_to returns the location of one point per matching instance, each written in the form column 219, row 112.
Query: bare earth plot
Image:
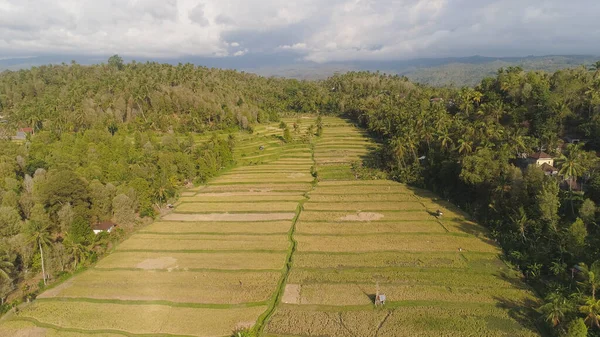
column 211, row 266
column 441, row 277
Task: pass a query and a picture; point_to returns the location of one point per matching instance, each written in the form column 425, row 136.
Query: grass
column 275, row 206
column 318, row 198
column 140, row 319
column 358, row 294
column 483, row 320
column 181, row 227
column 365, row 205
column 352, row 228
column 402, row 276
column 340, row 216
column 204, row 242
column 184, row 261
column 400, row 243
column 326, row 260
column 286, row 187
column 184, row 287
column 362, row 190
column 268, row 197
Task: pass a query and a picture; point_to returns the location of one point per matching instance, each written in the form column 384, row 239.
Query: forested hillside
column 113, row 142
column 116, row 141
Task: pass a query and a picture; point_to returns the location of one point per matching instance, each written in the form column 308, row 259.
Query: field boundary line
column 192, row 270
column 216, row 233
column 194, row 251
column 266, row 316
column 456, row 234
column 93, row 332
column 171, row 304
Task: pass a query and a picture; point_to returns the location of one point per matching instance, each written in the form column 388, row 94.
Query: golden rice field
column 441, row 276
column 265, row 244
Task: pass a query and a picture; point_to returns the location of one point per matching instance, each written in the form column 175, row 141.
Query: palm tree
column 465, row 146
column 593, row 277
column 591, row 309
column 5, row 266
column 445, row 139
column 595, row 66
column 571, row 167
column 555, row 308
column 39, row 234
column 76, row 248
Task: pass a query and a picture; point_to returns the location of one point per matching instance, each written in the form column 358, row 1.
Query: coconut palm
column 591, row 309
column 555, row 308
column 592, row 275
column 76, row 248
column 5, row 266
column 571, row 167
column 595, row 66
column 38, row 233
column 464, row 146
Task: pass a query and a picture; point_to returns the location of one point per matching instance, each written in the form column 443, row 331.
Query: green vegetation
column 120, row 142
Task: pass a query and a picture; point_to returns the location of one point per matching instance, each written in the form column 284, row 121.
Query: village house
column 544, row 161
column 22, row 133
column 540, row 158
column 105, row 226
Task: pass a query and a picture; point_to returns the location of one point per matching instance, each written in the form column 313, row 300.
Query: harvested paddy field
column 354, row 239
column 267, row 245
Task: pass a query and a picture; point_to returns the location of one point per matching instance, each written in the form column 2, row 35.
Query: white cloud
column 321, row 31
column 240, row 52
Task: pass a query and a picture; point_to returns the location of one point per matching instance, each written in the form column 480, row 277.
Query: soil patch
column 230, row 217
column 291, row 294
column 158, row 263
column 30, row 332
column 362, row 216
column 56, row 290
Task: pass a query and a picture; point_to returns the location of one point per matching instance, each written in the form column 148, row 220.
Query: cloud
column 197, row 15
column 315, row 30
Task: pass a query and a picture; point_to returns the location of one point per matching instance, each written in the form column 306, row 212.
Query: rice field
column 441, row 276
column 266, row 245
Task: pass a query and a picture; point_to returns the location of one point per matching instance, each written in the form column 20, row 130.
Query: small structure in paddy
column 379, row 298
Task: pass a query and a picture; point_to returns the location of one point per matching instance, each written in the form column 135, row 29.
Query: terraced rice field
column 441, row 277
column 263, row 245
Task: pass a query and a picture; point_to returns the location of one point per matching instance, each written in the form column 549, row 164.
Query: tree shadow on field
column 522, row 311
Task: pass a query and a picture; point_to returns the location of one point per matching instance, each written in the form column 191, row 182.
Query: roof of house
column 104, row 226
column 540, row 155
column 548, row 168
column 28, row 130
column 20, row 135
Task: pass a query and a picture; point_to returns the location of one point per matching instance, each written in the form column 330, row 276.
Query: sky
column 308, row 30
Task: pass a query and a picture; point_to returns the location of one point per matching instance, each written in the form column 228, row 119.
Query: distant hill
column 457, row 71
column 439, row 72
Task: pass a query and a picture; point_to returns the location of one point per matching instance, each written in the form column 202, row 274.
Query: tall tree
column 38, row 233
